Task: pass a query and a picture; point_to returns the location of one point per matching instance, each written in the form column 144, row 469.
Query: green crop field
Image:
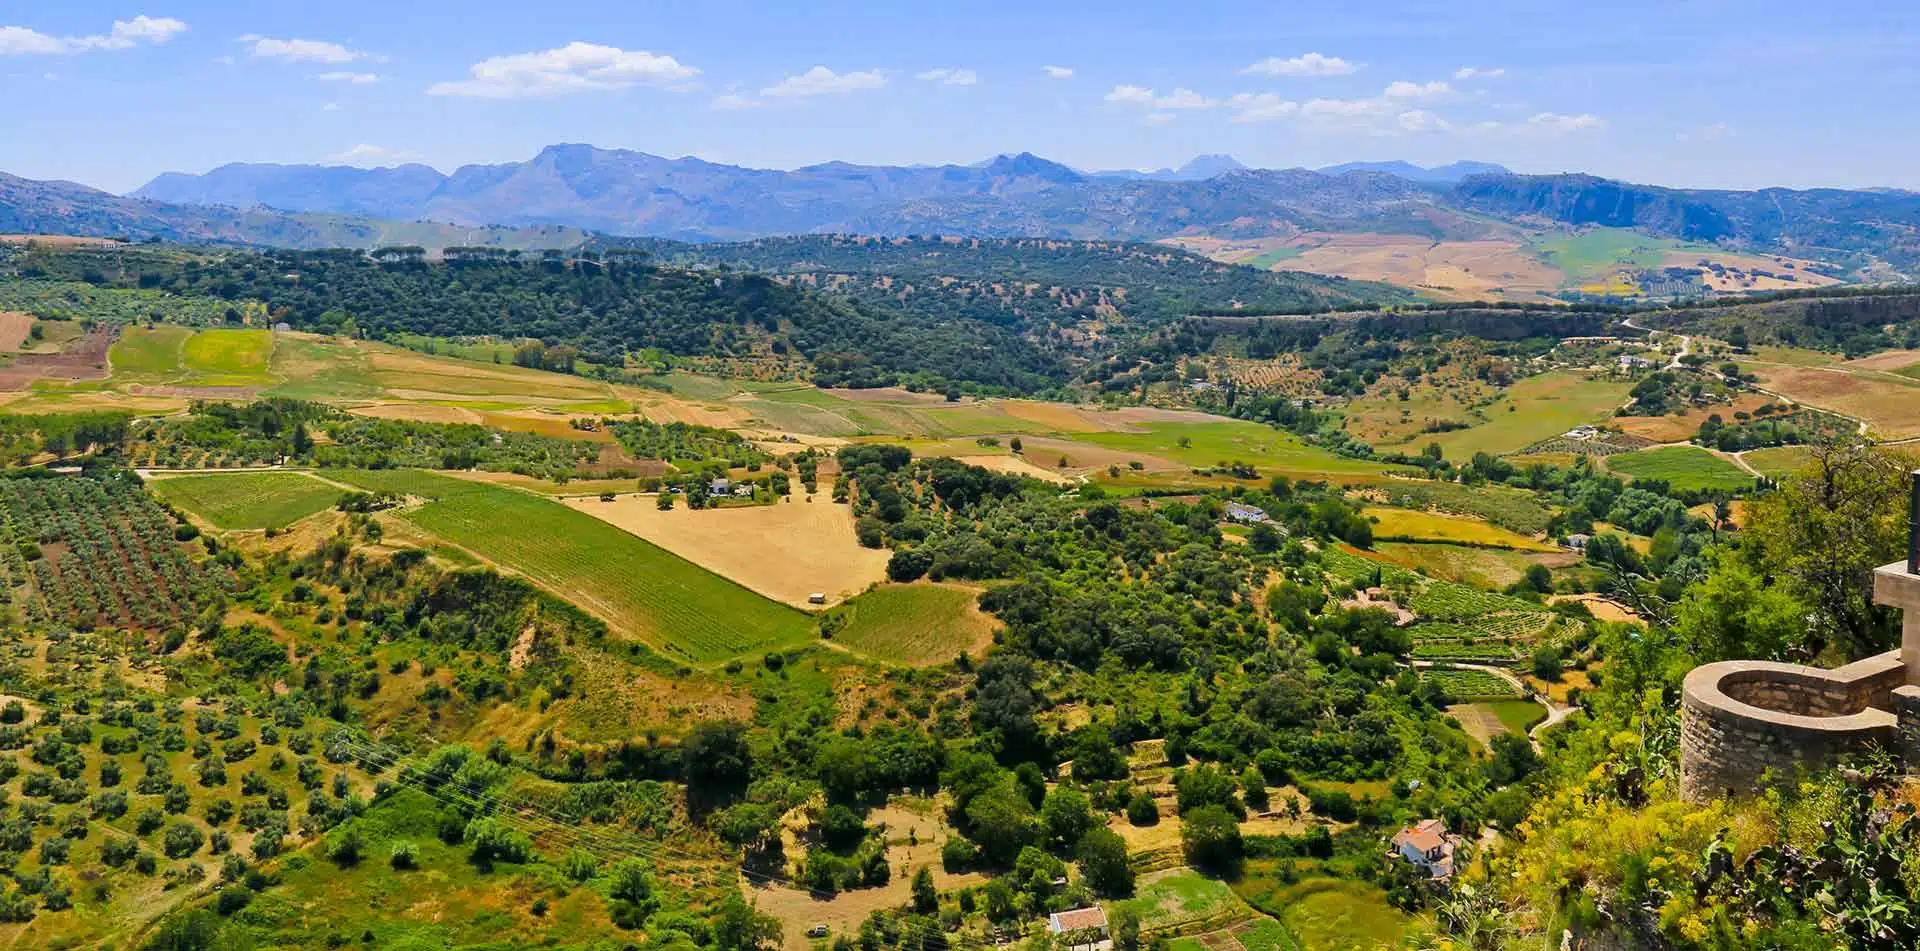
column 636, row 586
column 1534, row 409
column 228, row 358
column 1589, row 252
column 915, row 623
column 1779, row 462
column 1210, row 444
column 1316, row 913
column 1518, row 716
column 144, row 352
column 244, row 501
column 1469, row 684
column 1184, row 899
column 1684, row 467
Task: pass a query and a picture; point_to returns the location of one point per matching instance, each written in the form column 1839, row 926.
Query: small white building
column 1246, row 514
column 1578, row 542
column 719, row 487
column 1085, row 928
column 1428, row 846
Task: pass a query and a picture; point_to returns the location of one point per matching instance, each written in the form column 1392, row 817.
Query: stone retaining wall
column 1741, row 720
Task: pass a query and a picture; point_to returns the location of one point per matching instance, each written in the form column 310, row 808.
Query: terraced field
column 638, row 588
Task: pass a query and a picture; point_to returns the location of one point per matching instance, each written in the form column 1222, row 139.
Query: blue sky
column 1700, row 93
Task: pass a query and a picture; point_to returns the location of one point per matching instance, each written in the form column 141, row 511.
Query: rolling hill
column 625, row 192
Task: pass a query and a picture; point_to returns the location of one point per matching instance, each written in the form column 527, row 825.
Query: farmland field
column 1482, row 567
column 785, row 551
column 1404, row 524
column 1208, row 444
column 244, row 501
column 1535, row 409
column 1183, row 899
column 1320, row 913
column 1462, row 684
column 1513, row 509
column 228, row 358
column 1888, row 400
column 1779, row 462
column 1686, row 468
column 144, row 351
column 95, row 551
column 921, row 623
column 638, row 588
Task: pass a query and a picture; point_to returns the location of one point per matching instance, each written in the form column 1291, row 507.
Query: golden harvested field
column 1014, row 465
column 1739, row 271
column 784, row 551
column 1889, row 403
column 1433, row 526
column 14, row 327
column 1450, row 269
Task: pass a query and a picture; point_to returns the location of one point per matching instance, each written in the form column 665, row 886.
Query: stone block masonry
column 1746, row 723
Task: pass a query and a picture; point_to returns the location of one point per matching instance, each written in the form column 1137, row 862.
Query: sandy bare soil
column 1888, row 361
column 83, row 359
column 785, row 551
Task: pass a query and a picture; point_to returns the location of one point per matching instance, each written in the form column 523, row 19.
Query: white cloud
column 1261, row 107
column 1406, row 90
column 1183, row 98
column 1475, row 72
column 1420, row 120
column 733, row 101
column 575, row 67
column 1180, row 98
column 1557, row 123
column 372, row 156
column 300, row 51
column 1342, row 108
column 1058, row 72
column 330, row 107
column 357, row 79
column 144, row 28
column 946, row 76
column 125, row 35
column 821, row 81
column 20, row 41
column 1309, row 64
column 1161, row 118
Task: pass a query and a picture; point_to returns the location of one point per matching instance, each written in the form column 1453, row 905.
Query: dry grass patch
column 1014, row 465
column 1890, row 404
column 785, row 551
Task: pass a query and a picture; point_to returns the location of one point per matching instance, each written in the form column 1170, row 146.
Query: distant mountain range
column 1442, row 174
column 634, row 193
column 555, row 198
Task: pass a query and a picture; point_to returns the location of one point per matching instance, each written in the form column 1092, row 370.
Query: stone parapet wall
column 1741, row 720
